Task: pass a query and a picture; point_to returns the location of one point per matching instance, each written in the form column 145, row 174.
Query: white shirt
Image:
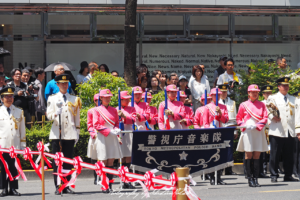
column 193, row 78
column 80, row 78
column 198, row 89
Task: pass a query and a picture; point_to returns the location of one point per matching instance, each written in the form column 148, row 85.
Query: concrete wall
column 170, row 2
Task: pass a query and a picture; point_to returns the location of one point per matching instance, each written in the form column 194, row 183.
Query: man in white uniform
column 231, row 107
column 281, row 108
column 65, row 140
column 229, row 77
column 12, row 133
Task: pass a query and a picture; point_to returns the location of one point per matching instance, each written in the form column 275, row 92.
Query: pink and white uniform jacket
column 209, row 115
column 130, row 114
column 255, row 110
column 178, row 110
column 105, row 119
column 142, row 109
column 198, row 120
column 153, row 116
column 189, row 117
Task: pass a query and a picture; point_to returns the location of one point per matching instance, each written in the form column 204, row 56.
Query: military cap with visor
column 64, row 78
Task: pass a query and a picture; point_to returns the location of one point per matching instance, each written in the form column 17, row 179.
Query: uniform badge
column 224, row 87
column 286, row 80
column 149, row 94
column 127, row 93
column 182, row 92
column 299, row 94
column 107, row 92
column 174, row 87
column 137, row 89
column 255, row 86
column 64, row 78
column 9, row 90
column 268, row 88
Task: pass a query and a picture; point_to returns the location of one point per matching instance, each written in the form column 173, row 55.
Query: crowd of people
column 278, row 114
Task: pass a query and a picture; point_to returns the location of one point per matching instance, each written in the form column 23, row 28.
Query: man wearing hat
column 65, row 139
column 175, row 112
column 189, row 114
column 152, row 111
column 12, row 133
column 51, row 87
column 198, row 122
column 281, row 108
column 266, row 92
column 220, row 70
column 231, row 108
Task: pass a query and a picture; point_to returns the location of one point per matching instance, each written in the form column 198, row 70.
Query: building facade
column 172, row 35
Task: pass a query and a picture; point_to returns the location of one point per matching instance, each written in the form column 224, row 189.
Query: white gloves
column 115, row 131
column 250, row 127
column 59, row 111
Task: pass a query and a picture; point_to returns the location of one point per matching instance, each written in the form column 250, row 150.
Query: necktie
column 224, row 101
column 8, row 110
column 285, row 99
column 65, row 98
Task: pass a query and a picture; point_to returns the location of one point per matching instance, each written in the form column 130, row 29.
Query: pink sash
column 255, row 116
column 106, row 118
column 210, row 109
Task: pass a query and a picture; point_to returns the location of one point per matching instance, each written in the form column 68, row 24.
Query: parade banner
column 202, row 150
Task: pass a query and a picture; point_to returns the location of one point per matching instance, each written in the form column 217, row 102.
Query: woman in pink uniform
column 142, row 110
column 209, row 112
column 219, row 115
column 91, row 152
column 189, row 114
column 198, row 122
column 128, row 115
column 254, row 115
column 175, row 111
column 103, row 125
column 152, row 111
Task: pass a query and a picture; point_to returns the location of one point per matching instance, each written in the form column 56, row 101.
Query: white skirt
column 127, row 142
column 175, row 124
column 103, row 148
column 140, row 125
column 252, row 140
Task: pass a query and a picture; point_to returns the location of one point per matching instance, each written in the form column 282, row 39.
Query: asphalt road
column 237, row 188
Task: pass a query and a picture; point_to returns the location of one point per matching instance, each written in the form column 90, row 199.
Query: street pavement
column 236, row 189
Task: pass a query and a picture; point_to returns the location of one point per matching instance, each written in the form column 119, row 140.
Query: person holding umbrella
column 51, row 87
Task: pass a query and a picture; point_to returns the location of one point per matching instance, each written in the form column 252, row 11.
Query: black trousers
column 296, row 169
column 287, row 147
column 263, row 162
column 27, row 118
column 14, row 172
column 67, row 150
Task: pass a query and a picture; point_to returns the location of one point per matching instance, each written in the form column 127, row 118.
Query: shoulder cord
column 17, row 121
column 76, row 105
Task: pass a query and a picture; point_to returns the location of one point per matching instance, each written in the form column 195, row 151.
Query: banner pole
column 216, row 177
column 43, row 173
column 182, row 172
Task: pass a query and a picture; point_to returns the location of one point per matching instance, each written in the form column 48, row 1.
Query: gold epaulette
column 77, row 104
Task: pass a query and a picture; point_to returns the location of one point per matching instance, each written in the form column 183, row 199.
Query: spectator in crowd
column 92, row 68
column 144, row 83
column 192, row 77
column 283, row 64
column 182, row 84
column 278, row 61
column 156, row 73
column 31, row 71
column 103, row 68
column 51, row 87
column 140, row 72
column 83, row 72
column 25, row 76
column 115, row 73
column 229, row 77
column 40, row 104
column 173, row 79
column 220, row 70
column 147, row 70
column 198, row 86
column 153, row 85
column 163, row 81
column 21, row 93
